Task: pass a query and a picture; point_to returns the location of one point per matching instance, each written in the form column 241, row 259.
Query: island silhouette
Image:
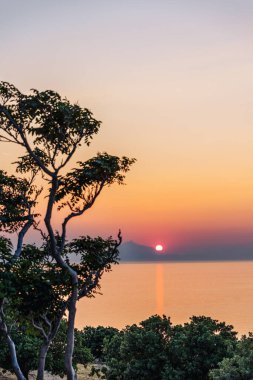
column 133, row 252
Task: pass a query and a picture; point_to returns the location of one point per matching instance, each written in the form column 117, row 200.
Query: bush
column 201, row 349
column 239, row 366
column 198, row 346
column 94, row 338
column 27, row 346
column 156, row 350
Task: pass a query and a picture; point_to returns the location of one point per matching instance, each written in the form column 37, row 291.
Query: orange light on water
column 160, row 289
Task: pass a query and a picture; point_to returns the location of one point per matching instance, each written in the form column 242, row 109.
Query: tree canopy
column 51, row 277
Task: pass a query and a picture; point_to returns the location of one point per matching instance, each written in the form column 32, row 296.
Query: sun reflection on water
column 160, row 289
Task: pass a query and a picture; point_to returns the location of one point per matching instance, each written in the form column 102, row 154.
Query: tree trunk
column 71, row 374
column 3, row 327
column 11, row 345
column 42, row 360
column 14, row 360
column 46, row 344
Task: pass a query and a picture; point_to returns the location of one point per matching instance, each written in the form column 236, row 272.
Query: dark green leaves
column 27, row 164
column 5, row 248
column 95, row 253
column 57, row 122
column 40, row 285
column 91, row 257
column 42, row 282
column 55, row 125
column 159, row 351
column 17, row 197
column 85, row 182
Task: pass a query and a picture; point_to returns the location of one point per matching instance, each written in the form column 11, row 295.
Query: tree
column 42, row 289
column 82, row 354
column 138, row 352
column 50, row 129
column 157, row 350
column 95, row 339
column 239, row 365
column 39, row 290
column 17, row 199
column 197, row 347
column 41, row 294
column 28, row 343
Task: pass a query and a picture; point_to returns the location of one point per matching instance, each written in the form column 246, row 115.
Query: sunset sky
column 172, row 83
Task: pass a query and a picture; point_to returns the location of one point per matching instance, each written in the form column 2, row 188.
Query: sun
column 159, row 248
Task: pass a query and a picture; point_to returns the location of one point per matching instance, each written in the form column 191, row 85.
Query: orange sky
column 172, row 83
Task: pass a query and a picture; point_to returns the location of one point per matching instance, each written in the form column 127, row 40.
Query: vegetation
column 95, row 339
column 239, row 364
column 202, row 349
column 157, row 350
column 28, row 343
column 40, row 284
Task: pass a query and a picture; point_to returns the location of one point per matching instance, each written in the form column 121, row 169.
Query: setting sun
column 159, row 248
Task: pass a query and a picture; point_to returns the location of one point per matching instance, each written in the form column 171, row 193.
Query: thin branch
column 88, row 288
column 43, row 235
column 21, row 236
column 44, row 317
column 64, row 163
column 24, row 139
column 40, row 328
column 71, row 208
column 55, row 253
column 48, row 216
column 36, row 159
column 95, row 276
column 49, row 324
column 7, row 140
column 10, row 343
column 77, row 213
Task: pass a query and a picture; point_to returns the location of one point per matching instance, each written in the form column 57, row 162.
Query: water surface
column 133, row 292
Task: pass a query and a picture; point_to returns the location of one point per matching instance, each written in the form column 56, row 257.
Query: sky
column 172, row 83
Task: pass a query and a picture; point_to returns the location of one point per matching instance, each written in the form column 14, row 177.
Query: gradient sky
column 172, row 82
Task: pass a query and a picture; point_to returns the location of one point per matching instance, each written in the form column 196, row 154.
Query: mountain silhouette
column 131, row 251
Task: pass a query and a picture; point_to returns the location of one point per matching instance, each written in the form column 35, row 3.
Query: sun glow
column 159, row 248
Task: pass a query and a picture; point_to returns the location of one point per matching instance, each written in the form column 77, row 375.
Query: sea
column 132, row 292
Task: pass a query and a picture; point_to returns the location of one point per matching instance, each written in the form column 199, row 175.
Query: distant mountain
column 131, row 251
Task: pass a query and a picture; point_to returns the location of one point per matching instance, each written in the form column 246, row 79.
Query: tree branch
column 88, row 288
column 71, row 153
column 24, row 139
column 78, row 213
column 40, row 328
column 49, row 324
column 55, row 253
column 21, row 236
column 6, row 139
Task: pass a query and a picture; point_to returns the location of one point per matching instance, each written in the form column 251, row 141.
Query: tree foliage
column 49, row 281
column 28, row 342
column 157, row 350
column 56, row 125
column 17, row 198
column 239, row 366
column 95, row 338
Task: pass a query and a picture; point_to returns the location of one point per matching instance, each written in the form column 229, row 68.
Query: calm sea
column 133, row 292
